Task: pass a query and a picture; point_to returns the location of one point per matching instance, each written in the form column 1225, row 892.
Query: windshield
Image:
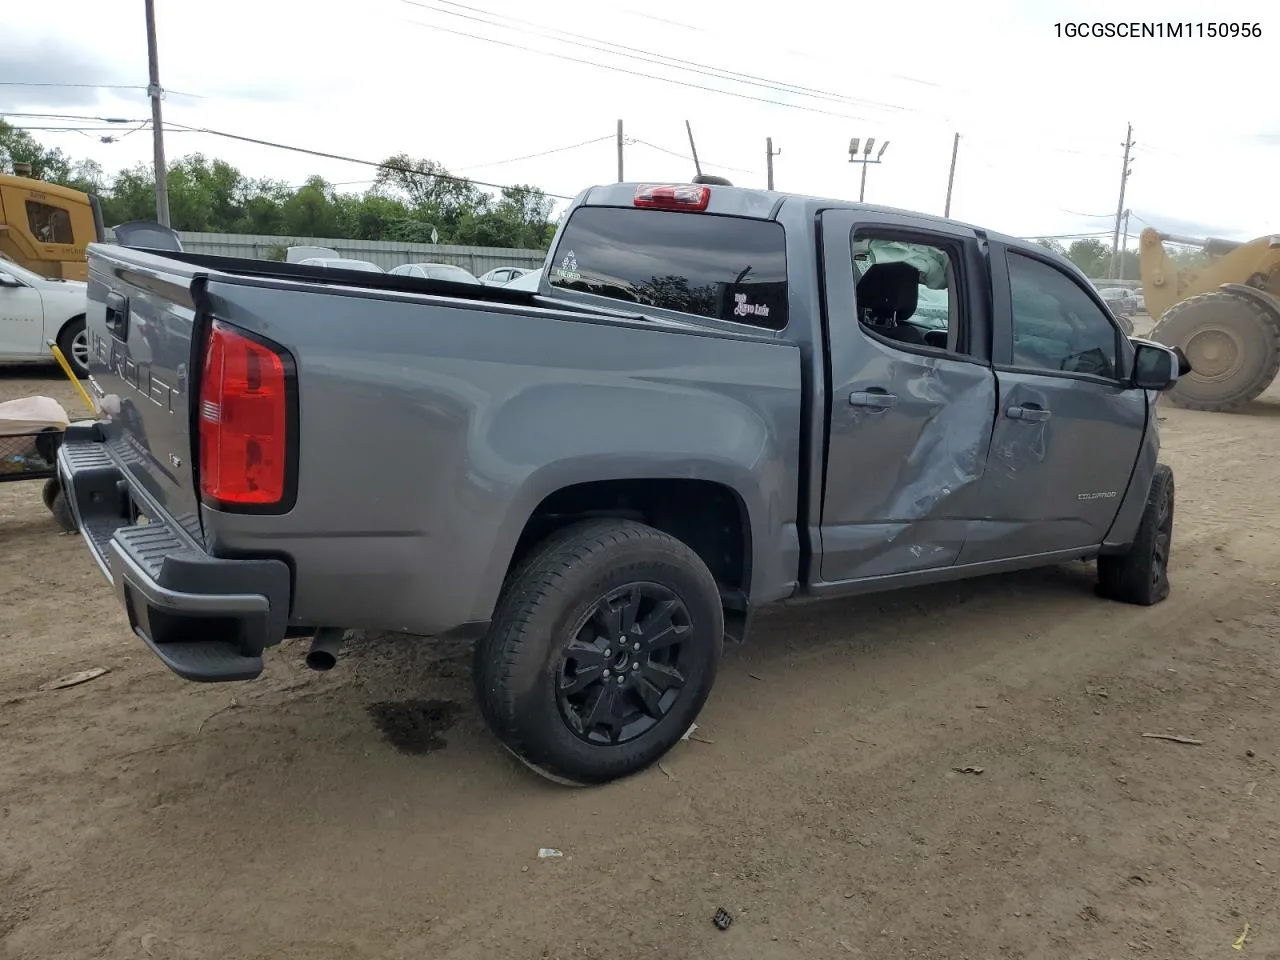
column 446, row 272
column 22, row 273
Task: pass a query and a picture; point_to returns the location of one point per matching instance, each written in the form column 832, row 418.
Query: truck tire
column 1141, row 574
column 73, row 341
column 602, row 651
column 1233, row 344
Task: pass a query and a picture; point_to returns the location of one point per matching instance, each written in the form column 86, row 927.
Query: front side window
column 907, row 291
column 49, row 224
column 1057, row 326
column 724, row 268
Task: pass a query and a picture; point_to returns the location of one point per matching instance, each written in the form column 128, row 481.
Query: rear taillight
column 244, row 421
column 673, row 196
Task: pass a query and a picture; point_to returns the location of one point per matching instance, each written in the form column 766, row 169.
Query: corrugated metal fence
column 385, row 253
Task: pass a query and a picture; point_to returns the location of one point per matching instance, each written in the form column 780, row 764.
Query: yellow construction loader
column 1225, row 316
column 46, row 227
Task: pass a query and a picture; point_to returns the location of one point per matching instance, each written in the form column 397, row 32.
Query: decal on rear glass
column 743, row 309
column 568, row 269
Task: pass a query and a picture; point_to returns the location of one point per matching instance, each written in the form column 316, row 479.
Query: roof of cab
column 764, row 204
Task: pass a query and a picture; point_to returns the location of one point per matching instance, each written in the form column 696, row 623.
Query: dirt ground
column 366, row 813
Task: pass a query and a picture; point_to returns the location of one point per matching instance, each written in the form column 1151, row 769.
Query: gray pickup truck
column 717, row 399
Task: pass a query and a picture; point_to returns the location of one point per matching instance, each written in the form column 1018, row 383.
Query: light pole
column 865, row 159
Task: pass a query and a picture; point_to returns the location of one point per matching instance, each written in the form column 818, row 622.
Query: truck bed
column 432, row 420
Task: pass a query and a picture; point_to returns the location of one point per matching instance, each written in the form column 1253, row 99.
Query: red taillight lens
column 243, row 421
column 674, row 196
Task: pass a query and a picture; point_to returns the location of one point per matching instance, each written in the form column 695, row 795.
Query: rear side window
column 725, row 268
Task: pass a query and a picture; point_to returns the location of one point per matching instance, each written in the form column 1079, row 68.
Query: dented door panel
column 1055, row 479
column 1063, row 451
column 908, row 438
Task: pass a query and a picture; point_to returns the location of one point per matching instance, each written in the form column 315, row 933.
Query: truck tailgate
column 140, row 319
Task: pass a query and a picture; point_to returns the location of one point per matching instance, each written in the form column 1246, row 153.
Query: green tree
column 410, row 199
column 1092, row 256
column 19, row 146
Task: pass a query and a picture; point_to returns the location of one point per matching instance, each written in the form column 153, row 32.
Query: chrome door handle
column 1028, row 412
column 877, row 400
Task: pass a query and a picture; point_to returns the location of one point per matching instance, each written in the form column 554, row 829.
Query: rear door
column 139, row 320
column 912, row 393
column 1068, row 430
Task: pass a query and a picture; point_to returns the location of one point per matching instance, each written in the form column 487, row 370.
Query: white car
column 500, row 276
column 434, row 271
column 35, row 310
column 338, row 263
column 526, row 281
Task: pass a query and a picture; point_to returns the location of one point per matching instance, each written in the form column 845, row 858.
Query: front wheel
column 73, row 341
column 1141, row 574
column 603, row 650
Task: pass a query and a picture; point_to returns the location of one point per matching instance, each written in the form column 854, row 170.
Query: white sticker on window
column 568, row 269
column 743, row 309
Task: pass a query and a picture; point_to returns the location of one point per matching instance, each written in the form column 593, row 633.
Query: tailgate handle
column 118, row 315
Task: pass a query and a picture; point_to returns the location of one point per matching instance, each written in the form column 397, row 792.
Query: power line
column 634, row 73
column 531, row 156
column 685, row 156
column 1087, row 216
column 92, row 86
column 182, row 128
column 67, row 116
column 805, row 54
column 649, row 56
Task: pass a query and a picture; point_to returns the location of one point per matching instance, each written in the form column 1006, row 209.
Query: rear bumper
column 207, row 618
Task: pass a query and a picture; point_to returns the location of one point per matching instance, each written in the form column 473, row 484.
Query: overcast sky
column 1041, row 118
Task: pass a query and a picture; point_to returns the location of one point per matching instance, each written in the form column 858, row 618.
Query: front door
column 1068, row 430
column 21, row 319
column 912, row 393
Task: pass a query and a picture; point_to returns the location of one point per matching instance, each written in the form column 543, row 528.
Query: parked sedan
column 500, row 276
column 339, row 263
column 1123, row 302
column 529, row 280
column 35, row 310
column 434, row 271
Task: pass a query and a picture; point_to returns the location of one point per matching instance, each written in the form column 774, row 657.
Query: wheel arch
column 62, row 327
column 717, row 509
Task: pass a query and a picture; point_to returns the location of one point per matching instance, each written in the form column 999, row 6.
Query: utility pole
column 620, row 177
column 1124, row 179
column 693, row 147
column 770, row 153
column 1124, row 245
column 865, row 159
column 157, row 124
column 951, row 177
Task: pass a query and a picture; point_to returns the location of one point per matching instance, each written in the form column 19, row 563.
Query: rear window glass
column 725, row 268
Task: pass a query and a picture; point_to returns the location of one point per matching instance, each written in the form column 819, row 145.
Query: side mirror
column 8, row 281
column 1155, row 366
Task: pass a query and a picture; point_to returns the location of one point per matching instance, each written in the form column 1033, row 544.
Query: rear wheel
column 1141, row 575
column 73, row 341
column 602, row 652
column 1232, row 343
